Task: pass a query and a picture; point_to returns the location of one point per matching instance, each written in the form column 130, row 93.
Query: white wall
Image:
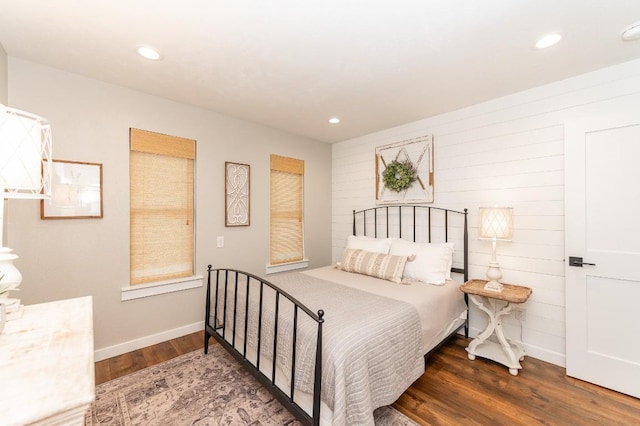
column 4, row 77
column 4, row 100
column 90, row 122
column 509, row 151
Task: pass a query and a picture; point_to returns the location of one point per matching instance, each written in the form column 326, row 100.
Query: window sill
column 160, row 287
column 283, row 267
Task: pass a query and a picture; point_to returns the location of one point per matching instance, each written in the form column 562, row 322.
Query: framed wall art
column 76, row 191
column 404, row 171
column 237, row 196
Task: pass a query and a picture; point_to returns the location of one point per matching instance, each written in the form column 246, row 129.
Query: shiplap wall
column 510, row 152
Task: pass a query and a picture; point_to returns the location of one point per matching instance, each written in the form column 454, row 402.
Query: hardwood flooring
column 124, row 364
column 457, row 391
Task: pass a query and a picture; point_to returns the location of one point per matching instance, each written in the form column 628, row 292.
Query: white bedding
column 441, row 309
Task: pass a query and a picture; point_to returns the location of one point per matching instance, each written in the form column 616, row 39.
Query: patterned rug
column 195, row 389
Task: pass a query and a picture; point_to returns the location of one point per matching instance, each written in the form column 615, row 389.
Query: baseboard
column 533, row 351
column 545, row 355
column 143, row 342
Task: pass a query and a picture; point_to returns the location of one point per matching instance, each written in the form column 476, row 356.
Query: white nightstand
column 505, row 351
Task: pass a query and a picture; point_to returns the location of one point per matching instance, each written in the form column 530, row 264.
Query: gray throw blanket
column 371, row 344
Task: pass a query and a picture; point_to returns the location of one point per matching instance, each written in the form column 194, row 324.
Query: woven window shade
column 286, row 210
column 161, row 203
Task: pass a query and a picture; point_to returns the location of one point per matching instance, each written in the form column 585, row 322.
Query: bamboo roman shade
column 286, row 210
column 161, row 206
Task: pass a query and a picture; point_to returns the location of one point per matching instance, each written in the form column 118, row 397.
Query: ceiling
column 293, row 64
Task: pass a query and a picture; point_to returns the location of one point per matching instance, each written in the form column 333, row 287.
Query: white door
column 602, row 226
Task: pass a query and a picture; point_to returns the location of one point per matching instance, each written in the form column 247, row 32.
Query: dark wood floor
column 457, row 391
column 124, row 364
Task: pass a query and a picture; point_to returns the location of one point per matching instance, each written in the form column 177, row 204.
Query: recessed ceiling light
column 548, row 40
column 149, row 53
column 632, row 32
column 334, row 120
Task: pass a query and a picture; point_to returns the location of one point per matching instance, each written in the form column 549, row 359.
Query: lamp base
column 17, row 314
column 10, row 277
column 493, row 286
column 13, row 309
column 493, row 275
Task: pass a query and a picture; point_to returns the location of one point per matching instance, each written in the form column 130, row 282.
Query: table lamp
column 25, row 172
column 496, row 223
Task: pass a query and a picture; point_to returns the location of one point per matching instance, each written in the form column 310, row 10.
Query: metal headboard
column 406, row 221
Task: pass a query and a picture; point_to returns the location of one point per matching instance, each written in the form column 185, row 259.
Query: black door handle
column 577, row 261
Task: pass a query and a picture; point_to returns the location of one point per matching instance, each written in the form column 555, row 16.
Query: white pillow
column 432, row 263
column 450, row 263
column 376, row 245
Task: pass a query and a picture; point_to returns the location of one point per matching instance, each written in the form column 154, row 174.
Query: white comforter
column 441, row 308
column 374, row 336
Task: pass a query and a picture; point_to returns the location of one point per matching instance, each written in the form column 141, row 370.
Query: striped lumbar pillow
column 380, row 265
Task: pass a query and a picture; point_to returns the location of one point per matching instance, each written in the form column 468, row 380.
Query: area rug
column 198, row 389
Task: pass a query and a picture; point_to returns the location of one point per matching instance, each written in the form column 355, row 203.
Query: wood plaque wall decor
column 237, row 197
column 76, row 191
column 418, row 153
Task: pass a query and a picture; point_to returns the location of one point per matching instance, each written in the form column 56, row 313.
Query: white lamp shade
column 25, row 155
column 496, row 222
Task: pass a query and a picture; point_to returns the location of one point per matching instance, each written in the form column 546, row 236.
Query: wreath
column 399, row 175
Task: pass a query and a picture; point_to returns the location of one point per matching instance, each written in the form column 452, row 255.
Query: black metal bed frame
column 223, row 278
column 218, row 332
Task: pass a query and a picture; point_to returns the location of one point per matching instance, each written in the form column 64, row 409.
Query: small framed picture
column 237, row 197
column 76, row 191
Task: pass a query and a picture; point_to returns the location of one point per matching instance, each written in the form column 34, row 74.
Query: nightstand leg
column 487, row 331
column 502, row 352
column 506, row 346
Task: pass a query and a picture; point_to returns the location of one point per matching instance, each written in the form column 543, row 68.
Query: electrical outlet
column 520, row 314
column 220, row 242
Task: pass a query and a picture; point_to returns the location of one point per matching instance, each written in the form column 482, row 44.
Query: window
column 161, row 207
column 287, row 225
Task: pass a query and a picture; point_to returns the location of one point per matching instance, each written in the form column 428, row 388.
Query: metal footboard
column 216, row 325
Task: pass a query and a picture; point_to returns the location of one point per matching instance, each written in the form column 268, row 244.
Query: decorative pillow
column 377, row 245
column 432, row 263
column 450, row 262
column 379, row 265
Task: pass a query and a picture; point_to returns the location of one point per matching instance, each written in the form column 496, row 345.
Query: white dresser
column 46, row 364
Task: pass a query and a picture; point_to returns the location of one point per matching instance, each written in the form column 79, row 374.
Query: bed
column 350, row 337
